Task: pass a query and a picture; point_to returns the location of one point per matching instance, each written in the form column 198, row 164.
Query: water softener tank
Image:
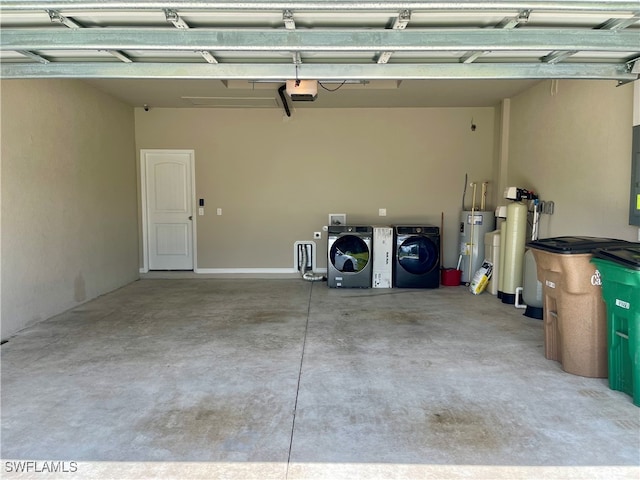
column 514, row 246
column 473, row 226
column 501, row 214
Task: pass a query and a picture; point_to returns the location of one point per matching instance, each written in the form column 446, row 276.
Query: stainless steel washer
column 349, row 256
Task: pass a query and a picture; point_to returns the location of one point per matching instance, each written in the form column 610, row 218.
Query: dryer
column 349, row 250
column 416, row 256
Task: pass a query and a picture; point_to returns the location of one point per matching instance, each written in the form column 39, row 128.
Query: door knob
column 190, row 217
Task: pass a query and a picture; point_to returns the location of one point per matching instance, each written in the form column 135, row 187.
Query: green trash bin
column 620, row 273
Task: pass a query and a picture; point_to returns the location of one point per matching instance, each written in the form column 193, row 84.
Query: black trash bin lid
column 628, row 257
column 575, row 245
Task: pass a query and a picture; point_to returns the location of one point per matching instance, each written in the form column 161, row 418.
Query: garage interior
column 236, row 367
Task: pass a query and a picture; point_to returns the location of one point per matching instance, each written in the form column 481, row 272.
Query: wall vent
column 298, row 254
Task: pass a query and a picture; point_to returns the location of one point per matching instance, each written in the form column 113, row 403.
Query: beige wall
column 69, row 184
column 69, row 217
column 570, row 141
column 277, row 179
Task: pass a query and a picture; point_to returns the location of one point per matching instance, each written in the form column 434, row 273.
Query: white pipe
column 473, row 223
column 536, row 220
column 519, row 291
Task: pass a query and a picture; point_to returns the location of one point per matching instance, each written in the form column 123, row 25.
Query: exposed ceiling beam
column 402, row 20
column 512, row 22
column 506, row 23
column 613, row 24
column 470, row 57
column 123, row 57
column 57, row 17
column 399, row 23
column 33, row 56
column 555, row 57
column 318, row 5
column 208, row 56
column 37, row 39
column 176, row 20
column 384, row 57
column 620, row 23
column 322, row 72
column 172, row 17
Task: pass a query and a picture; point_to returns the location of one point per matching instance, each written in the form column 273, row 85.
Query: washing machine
column 416, row 256
column 349, row 249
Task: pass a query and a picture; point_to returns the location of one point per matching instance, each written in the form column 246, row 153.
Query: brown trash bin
column 574, row 313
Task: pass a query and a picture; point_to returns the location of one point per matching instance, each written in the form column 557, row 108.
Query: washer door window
column 418, row 255
column 349, row 254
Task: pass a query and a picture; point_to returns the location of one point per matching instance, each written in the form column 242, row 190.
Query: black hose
column 284, row 99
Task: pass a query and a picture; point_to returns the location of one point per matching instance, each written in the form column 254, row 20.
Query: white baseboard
column 245, row 271
column 229, row 273
column 254, row 272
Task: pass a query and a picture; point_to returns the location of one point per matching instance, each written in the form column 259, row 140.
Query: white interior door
column 169, row 208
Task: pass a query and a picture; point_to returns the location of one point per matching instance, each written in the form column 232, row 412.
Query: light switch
column 219, row 211
column 382, row 212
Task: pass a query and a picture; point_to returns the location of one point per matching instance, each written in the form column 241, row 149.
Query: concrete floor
column 239, row 378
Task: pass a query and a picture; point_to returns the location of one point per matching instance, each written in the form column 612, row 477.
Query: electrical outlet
column 382, row 212
column 317, row 235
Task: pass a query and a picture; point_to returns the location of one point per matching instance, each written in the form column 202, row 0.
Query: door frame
column 143, row 198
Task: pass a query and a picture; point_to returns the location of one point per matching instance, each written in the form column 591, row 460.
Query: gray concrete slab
column 288, row 379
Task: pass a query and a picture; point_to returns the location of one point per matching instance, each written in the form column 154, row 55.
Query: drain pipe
column 309, row 276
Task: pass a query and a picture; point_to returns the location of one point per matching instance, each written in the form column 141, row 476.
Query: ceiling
column 362, row 53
